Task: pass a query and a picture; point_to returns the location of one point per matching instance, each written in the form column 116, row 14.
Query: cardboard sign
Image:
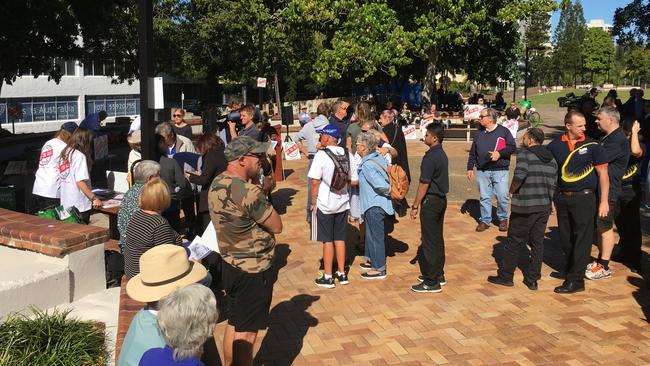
column 410, row 132
column 472, row 111
column 291, row 151
column 513, row 126
column 261, row 82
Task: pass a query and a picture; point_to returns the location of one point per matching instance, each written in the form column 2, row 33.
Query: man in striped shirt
column 532, row 189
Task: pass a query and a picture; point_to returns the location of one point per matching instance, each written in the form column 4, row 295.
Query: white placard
column 291, row 151
column 512, row 125
column 472, row 111
column 155, row 90
column 261, row 82
column 409, row 132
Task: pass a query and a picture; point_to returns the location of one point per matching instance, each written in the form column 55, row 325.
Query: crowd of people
column 358, row 175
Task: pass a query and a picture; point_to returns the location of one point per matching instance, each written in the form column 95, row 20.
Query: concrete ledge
column 31, row 279
column 87, row 271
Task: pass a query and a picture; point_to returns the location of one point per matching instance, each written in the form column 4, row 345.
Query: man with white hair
column 490, row 154
column 617, row 150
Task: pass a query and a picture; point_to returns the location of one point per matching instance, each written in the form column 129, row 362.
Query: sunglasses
column 178, row 115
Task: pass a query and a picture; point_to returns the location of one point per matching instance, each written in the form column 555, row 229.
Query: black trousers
column 575, row 216
column 41, row 203
column 525, row 229
column 431, row 253
column 628, row 224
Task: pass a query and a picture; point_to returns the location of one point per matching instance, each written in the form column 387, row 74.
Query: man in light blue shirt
column 376, row 204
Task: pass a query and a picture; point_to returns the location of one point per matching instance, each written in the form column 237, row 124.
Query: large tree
column 537, row 38
column 632, row 23
column 569, row 35
column 597, row 52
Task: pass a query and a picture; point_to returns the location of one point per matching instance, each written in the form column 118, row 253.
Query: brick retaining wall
column 49, row 237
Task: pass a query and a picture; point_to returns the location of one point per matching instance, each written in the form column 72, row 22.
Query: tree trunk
column 429, row 90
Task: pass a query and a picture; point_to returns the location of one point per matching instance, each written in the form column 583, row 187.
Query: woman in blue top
column 376, row 204
column 186, row 319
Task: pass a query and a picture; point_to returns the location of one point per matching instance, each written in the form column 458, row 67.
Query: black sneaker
column 325, row 282
column 441, row 279
column 422, row 287
column 374, row 276
column 342, row 278
column 365, row 265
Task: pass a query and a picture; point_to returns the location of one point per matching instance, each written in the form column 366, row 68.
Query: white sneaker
column 591, row 266
column 598, row 273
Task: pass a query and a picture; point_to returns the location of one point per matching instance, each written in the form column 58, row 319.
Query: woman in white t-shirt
column 46, row 183
column 74, row 172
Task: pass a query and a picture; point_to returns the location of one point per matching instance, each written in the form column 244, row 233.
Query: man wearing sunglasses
column 246, row 224
column 490, row 154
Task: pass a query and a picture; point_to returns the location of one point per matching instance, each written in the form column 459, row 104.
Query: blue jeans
column 493, row 183
column 375, row 248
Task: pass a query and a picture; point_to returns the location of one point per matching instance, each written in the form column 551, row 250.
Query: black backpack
column 341, row 176
column 114, row 263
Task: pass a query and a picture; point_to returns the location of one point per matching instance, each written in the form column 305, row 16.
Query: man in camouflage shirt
column 246, row 225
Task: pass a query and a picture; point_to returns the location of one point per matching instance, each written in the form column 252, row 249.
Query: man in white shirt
column 330, row 176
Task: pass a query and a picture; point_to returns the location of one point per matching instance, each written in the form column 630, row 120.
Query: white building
column 600, row 23
column 39, row 105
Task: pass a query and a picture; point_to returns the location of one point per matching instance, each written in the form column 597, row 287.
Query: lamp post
column 145, row 63
column 526, row 60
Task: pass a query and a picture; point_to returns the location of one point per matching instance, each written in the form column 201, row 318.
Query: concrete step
column 32, row 279
column 101, row 306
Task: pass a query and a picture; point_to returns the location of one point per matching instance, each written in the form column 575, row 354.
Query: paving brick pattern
column 472, row 322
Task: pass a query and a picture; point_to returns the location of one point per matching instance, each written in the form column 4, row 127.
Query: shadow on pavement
column 553, row 255
column 283, row 198
column 471, row 207
column 289, row 322
column 641, row 295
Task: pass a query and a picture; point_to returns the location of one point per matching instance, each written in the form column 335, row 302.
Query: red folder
column 500, row 145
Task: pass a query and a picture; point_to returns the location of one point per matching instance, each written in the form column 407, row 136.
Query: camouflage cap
column 243, row 145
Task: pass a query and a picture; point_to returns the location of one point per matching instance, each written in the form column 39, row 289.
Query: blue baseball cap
column 69, row 126
column 330, row 130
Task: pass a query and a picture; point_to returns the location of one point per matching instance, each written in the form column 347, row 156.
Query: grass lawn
column 549, row 100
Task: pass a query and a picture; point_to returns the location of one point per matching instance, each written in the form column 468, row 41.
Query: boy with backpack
column 330, row 175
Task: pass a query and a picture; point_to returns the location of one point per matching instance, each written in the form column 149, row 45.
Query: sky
column 595, row 9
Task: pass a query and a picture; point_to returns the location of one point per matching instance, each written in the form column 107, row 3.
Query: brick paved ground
column 470, row 322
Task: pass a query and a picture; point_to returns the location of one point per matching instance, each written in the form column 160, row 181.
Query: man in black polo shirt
column 617, row 151
column 628, row 221
column 582, row 171
column 339, row 118
column 431, row 202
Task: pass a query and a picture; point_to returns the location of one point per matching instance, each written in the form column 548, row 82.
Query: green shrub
column 52, row 340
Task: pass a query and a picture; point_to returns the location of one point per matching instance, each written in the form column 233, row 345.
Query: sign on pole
column 155, row 93
column 261, row 82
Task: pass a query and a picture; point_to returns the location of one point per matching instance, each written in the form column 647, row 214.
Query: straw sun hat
column 163, row 269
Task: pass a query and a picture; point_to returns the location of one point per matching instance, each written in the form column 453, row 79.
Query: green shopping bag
column 48, row 213
column 60, row 213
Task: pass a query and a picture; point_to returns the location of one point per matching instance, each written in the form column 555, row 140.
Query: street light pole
column 145, row 63
column 526, row 75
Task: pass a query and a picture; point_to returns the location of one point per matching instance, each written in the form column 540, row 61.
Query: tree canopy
column 310, row 44
column 632, row 23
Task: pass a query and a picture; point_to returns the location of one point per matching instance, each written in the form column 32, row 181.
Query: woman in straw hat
column 163, row 269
